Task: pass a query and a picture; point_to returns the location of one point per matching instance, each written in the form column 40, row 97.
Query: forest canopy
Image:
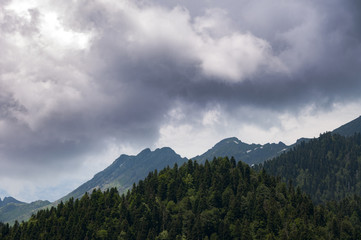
column 220, row 199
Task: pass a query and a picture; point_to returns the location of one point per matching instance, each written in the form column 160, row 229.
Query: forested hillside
column 20, row 211
column 328, row 168
column 221, row 199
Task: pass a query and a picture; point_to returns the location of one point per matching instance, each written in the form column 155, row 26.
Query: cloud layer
column 79, row 79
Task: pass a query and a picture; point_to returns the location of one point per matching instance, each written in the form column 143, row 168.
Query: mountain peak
column 147, row 152
column 248, row 153
column 165, row 150
column 8, row 200
column 144, row 151
column 229, row 141
column 126, row 170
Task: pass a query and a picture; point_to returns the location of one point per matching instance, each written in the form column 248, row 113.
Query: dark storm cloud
column 318, row 43
column 60, row 103
column 319, row 49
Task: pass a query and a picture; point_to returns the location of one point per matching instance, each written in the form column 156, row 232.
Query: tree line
column 220, row 199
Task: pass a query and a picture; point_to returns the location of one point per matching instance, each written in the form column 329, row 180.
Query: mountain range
column 248, row 153
column 220, row 199
column 127, row 170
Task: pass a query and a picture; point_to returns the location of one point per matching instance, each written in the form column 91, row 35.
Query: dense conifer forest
column 328, row 168
column 221, row 199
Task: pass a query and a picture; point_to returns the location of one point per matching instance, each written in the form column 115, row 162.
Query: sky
column 84, row 81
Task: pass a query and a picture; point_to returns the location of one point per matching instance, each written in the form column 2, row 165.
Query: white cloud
column 215, row 23
column 56, row 36
column 194, row 139
column 236, row 57
column 192, row 135
column 211, row 117
column 210, row 40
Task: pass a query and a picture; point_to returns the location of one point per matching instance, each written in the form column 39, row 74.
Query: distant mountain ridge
column 126, row 170
column 248, row 153
column 8, row 200
column 12, row 209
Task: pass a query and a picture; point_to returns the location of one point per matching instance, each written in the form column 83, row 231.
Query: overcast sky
column 83, row 81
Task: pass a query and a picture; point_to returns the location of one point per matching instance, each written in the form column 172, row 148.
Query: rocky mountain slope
column 349, row 128
column 126, row 170
column 248, row 153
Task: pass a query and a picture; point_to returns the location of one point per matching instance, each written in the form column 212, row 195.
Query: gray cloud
column 113, row 72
